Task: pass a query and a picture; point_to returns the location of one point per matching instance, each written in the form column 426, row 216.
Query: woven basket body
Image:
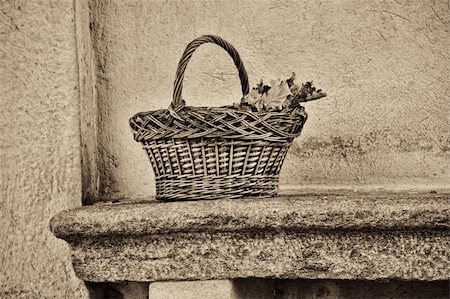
column 211, row 153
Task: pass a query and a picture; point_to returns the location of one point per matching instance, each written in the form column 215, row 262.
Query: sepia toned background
column 64, row 96
column 384, row 64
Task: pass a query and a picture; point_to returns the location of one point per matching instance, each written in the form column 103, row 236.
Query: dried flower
column 280, row 95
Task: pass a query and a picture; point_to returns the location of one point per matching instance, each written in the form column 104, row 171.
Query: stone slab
column 217, row 289
column 340, row 235
column 305, row 211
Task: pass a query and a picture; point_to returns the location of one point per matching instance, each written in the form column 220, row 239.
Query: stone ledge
column 334, row 235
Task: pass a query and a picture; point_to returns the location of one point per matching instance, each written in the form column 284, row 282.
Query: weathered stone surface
column 217, row 289
column 40, row 173
column 326, row 210
column 341, row 235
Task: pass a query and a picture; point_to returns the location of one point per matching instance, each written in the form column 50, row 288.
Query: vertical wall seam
column 88, row 101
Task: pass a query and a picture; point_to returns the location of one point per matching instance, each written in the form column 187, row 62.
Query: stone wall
column 385, row 65
column 39, row 147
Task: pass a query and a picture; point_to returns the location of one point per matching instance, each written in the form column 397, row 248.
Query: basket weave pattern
column 222, row 152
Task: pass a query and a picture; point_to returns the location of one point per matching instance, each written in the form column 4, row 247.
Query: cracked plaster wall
column 39, row 147
column 385, row 65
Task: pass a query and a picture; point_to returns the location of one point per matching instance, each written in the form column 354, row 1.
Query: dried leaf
column 254, row 99
column 280, row 95
column 276, row 95
column 290, row 81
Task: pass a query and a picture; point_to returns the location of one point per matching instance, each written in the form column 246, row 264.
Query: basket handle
column 177, row 101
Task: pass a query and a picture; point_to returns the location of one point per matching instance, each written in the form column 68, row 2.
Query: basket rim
column 229, row 122
column 287, row 111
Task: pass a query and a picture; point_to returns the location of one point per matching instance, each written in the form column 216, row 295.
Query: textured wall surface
column 39, row 147
column 385, row 65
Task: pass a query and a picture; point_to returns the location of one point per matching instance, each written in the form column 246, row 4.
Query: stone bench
column 335, row 235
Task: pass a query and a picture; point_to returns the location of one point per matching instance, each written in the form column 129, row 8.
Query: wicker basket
column 211, row 153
